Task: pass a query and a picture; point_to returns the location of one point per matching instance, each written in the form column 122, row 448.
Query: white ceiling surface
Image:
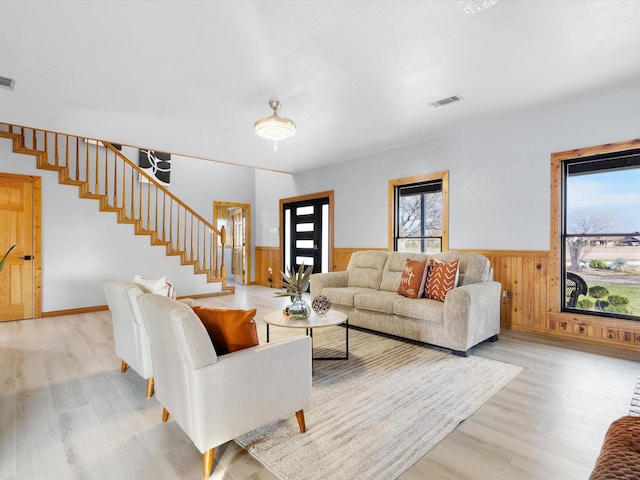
column 357, row 77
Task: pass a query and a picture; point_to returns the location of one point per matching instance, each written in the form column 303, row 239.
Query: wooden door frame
column 247, row 210
column 37, row 236
column 311, row 196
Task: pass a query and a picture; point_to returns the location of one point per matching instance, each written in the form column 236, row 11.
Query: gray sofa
column 368, row 293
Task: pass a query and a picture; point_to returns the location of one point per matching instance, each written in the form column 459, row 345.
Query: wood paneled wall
column 525, row 277
column 268, row 257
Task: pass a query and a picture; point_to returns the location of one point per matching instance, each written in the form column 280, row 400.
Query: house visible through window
column 601, row 235
column 420, row 213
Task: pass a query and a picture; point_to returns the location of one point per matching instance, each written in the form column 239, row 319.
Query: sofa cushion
column 419, row 308
column 473, row 267
column 394, row 267
column 229, row 330
column 441, row 278
column 375, row 301
column 413, row 278
column 365, row 268
column 344, row 295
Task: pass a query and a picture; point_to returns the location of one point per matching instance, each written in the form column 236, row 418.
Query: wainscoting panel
column 268, row 257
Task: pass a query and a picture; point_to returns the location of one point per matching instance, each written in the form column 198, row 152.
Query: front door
column 18, row 208
column 307, row 233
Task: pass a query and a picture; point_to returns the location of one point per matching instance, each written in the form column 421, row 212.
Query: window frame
column 556, row 288
column 394, row 184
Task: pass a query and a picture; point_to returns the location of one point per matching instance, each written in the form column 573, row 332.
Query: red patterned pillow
column 413, row 278
column 441, row 278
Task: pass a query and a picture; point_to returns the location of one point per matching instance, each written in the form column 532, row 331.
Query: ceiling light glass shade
column 274, row 127
column 474, row 6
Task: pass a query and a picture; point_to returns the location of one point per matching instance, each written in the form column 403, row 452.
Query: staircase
column 101, row 172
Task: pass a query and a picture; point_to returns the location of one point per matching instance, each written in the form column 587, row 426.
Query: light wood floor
column 66, row 411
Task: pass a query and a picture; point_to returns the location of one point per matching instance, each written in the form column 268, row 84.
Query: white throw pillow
column 159, row 286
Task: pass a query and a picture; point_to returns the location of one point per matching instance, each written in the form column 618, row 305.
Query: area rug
column 634, row 409
column 376, row 414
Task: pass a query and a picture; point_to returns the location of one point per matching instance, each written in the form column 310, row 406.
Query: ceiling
column 357, row 77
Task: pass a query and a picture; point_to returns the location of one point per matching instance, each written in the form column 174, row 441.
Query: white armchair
column 217, row 398
column 129, row 333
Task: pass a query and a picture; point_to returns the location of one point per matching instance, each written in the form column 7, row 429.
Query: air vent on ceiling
column 8, row 83
column 446, row 101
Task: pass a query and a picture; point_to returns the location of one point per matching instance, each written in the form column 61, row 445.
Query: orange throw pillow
column 413, row 278
column 441, row 278
column 229, row 330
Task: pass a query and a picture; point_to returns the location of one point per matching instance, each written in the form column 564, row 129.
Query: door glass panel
column 287, row 238
column 325, row 238
column 304, row 243
column 304, row 260
column 306, row 210
column 304, row 227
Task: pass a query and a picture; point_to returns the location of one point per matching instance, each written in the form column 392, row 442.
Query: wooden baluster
column 140, row 201
column 106, row 173
column 204, row 258
column 171, row 221
column 46, row 145
column 77, row 158
column 87, row 178
column 115, row 179
column 149, row 206
column 164, row 216
column 57, row 155
column 97, row 169
column 155, row 223
column 178, row 230
column 133, row 195
column 191, row 237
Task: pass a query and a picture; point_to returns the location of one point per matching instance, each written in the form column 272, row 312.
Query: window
column 600, row 235
column 419, row 213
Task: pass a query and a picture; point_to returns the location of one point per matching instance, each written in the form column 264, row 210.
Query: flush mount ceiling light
column 274, row 127
column 474, row 6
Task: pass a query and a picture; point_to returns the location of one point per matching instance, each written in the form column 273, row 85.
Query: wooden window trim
column 444, row 178
column 554, row 300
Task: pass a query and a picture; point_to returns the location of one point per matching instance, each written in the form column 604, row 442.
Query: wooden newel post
column 223, row 268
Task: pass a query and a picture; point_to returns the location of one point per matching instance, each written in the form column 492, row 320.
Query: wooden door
column 236, row 218
column 238, row 225
column 18, row 195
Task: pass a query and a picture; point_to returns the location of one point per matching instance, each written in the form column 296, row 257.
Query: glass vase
column 299, row 309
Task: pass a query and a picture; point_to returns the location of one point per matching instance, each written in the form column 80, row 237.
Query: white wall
column 499, row 175
column 270, row 188
column 82, row 246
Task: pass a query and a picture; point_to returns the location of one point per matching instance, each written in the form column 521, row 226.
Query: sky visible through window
column 615, row 194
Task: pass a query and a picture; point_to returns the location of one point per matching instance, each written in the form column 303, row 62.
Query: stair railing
column 102, row 172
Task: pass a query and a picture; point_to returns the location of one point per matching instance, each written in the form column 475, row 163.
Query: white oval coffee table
column 329, row 319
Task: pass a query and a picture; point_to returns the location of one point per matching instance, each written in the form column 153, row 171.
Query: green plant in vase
column 295, row 283
column 5, row 257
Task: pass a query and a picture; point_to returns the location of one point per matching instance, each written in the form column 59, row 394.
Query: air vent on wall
column 8, row 83
column 446, row 101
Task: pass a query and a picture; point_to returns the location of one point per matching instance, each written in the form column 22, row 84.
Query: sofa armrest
column 328, row 279
column 474, row 309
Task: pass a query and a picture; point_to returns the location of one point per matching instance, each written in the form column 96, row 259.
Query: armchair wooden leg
column 207, row 462
column 149, row 387
column 165, row 414
column 123, row 366
column 300, row 418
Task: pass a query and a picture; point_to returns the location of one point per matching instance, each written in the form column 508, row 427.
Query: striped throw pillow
column 441, row 278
